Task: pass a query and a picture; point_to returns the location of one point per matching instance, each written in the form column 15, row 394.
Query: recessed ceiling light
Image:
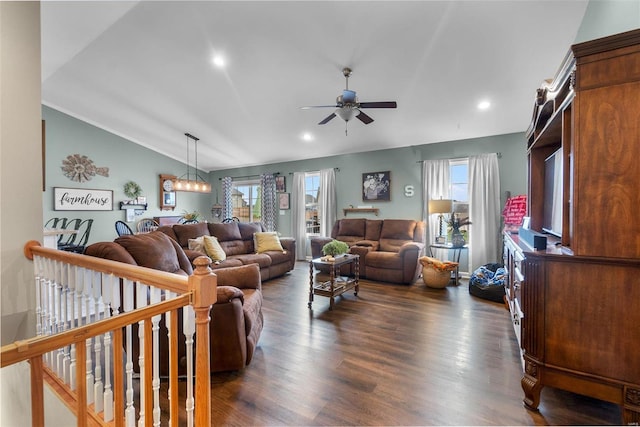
column 484, row 105
column 307, row 137
column 218, row 61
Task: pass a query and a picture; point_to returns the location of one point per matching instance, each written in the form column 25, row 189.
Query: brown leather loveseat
column 236, row 317
column 389, row 248
column 237, row 241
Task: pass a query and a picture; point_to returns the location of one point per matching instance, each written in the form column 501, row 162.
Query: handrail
column 168, row 281
column 26, row 349
column 197, row 291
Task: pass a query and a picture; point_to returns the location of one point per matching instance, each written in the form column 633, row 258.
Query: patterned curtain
column 227, row 205
column 268, row 204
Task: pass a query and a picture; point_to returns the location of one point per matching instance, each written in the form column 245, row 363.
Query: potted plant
column 191, row 216
column 334, row 248
column 457, row 238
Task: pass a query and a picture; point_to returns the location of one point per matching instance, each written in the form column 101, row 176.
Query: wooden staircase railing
column 85, row 309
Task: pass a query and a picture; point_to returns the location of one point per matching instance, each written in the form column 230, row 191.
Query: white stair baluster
column 167, row 320
column 188, row 326
column 88, row 290
column 98, row 387
column 130, row 411
column 156, row 294
column 108, row 283
column 73, row 322
column 37, row 269
column 59, row 316
column 141, row 301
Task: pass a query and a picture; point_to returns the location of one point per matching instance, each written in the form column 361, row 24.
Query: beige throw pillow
column 267, row 241
column 213, row 249
column 197, row 244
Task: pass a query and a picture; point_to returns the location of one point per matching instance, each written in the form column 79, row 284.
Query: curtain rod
column 499, row 154
column 249, row 176
column 314, row 170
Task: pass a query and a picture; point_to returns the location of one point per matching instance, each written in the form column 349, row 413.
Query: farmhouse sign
column 82, row 199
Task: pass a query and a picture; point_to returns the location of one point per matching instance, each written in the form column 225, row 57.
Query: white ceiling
column 143, row 70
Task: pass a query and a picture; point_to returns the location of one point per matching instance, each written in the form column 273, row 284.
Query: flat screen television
column 552, row 221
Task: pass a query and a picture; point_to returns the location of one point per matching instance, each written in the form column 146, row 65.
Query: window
column 459, row 181
column 246, row 200
column 311, row 192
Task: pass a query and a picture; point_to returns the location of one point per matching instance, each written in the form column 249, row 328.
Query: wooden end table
column 336, row 285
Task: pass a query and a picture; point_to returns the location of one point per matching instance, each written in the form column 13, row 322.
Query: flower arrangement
column 335, row 247
column 456, row 222
column 191, row 216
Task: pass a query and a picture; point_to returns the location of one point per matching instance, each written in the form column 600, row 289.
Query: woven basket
column 435, row 278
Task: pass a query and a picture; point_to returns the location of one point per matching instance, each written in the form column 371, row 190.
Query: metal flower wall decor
column 80, row 168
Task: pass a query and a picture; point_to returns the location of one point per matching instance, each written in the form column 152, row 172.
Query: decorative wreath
column 132, row 190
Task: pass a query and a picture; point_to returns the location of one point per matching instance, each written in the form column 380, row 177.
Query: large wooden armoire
column 576, row 304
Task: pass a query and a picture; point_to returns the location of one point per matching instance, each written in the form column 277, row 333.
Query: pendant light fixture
column 192, row 182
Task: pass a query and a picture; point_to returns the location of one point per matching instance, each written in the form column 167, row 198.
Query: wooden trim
column 604, row 44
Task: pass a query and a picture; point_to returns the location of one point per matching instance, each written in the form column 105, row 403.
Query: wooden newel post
column 203, row 284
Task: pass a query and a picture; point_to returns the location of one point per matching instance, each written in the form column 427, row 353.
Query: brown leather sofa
column 389, row 248
column 236, row 239
column 236, row 317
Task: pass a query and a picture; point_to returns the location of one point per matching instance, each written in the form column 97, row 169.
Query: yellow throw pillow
column 213, row 249
column 267, row 241
column 197, row 244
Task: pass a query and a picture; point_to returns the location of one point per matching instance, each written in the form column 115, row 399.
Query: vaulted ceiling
column 144, row 70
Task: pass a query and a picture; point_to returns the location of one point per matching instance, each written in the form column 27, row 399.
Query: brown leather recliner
column 389, row 249
column 236, row 317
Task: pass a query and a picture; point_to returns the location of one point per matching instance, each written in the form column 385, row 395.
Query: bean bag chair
column 488, row 281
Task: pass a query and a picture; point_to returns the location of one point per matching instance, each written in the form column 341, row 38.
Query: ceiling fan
column 347, row 105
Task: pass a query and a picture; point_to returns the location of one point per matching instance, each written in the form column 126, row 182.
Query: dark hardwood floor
column 393, row 355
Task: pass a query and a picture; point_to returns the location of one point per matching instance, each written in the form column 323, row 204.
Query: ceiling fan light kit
column 347, row 105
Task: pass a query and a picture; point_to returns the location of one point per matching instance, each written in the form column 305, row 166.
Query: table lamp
column 440, row 207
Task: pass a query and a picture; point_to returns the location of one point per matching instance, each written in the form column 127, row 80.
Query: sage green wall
column 126, row 161
column 405, row 167
column 606, row 17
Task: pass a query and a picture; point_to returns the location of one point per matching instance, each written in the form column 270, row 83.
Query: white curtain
column 327, row 207
column 436, row 179
column 484, row 210
column 298, row 220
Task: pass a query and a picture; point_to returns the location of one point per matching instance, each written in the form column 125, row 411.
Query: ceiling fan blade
column 383, row 104
column 319, row 106
column 364, row 118
column 331, row 116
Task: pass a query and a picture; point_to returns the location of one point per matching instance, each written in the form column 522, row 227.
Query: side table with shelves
column 336, row 285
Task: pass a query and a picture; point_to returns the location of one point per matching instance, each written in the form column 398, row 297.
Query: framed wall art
column 281, row 185
column 283, row 200
column 376, row 186
column 82, row 199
